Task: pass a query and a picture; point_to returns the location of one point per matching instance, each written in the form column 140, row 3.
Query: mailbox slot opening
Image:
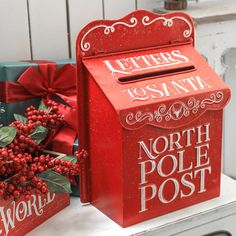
column 161, row 73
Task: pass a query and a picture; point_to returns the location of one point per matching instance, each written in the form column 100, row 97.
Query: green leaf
column 7, row 134
column 39, row 134
column 21, row 118
column 43, row 107
column 70, row 158
column 56, row 183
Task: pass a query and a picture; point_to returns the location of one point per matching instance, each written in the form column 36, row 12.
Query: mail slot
column 150, row 116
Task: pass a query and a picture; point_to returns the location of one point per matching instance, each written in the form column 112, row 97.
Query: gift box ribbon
column 63, row 140
column 41, row 82
column 45, row 81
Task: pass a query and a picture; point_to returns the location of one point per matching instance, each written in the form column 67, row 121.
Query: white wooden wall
column 47, row 29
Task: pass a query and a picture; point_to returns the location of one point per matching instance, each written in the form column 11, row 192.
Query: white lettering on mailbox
column 171, row 88
column 145, row 62
column 183, row 176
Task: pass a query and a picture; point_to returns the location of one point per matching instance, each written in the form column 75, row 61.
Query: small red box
column 22, row 216
column 150, row 111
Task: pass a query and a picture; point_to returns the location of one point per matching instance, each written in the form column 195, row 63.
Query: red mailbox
column 150, row 111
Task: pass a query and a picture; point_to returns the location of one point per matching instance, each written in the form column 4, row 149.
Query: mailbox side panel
column 105, row 151
column 169, row 169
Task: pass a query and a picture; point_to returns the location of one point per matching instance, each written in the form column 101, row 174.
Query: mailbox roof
column 162, row 80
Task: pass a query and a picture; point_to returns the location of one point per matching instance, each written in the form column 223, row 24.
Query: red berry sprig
column 22, row 142
column 81, row 156
column 50, row 119
column 22, row 161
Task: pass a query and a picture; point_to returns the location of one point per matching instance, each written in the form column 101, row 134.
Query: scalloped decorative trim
column 169, row 23
column 176, row 111
column 85, row 45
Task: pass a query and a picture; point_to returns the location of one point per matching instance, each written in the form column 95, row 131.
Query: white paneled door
column 14, row 30
column 116, row 9
column 48, row 22
column 81, row 13
column 146, row 4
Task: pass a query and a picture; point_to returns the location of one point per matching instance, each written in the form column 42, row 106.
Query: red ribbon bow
column 44, row 82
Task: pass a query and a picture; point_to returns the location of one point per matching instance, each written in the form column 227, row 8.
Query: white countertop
column 88, row 221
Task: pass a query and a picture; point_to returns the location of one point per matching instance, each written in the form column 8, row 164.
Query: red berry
column 69, row 164
column 22, row 138
column 15, row 141
column 16, row 160
column 34, row 117
column 6, row 197
column 50, row 164
column 47, row 158
column 31, row 173
column 34, row 179
column 30, row 150
column 33, row 167
column 19, row 155
column 42, row 159
column 38, row 185
column 22, row 179
column 28, row 187
column 3, row 184
column 16, row 148
column 11, row 145
column 4, row 154
column 2, row 170
column 10, row 188
column 57, row 161
column 63, row 163
column 28, row 158
column 16, row 193
column 44, row 189
column 40, row 168
column 27, row 197
column 38, row 191
column 72, row 172
column 55, row 108
column 26, row 129
column 65, row 169
column 52, row 122
column 58, row 170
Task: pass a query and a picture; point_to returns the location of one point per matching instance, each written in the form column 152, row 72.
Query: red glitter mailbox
column 150, row 111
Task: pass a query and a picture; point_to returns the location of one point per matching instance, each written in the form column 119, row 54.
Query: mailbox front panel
column 169, row 169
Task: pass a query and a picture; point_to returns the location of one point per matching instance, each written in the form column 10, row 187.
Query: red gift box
column 150, row 116
column 20, row 217
column 23, row 81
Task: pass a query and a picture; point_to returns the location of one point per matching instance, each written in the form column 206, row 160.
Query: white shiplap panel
column 147, row 4
column 118, row 8
column 14, row 31
column 49, row 29
column 229, row 59
column 81, row 13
